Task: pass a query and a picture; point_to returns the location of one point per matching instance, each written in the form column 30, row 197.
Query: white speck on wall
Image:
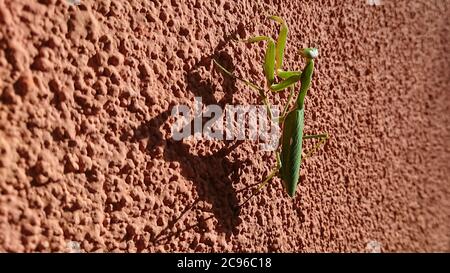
column 73, row 247
column 373, row 247
column 74, row 2
column 374, row 2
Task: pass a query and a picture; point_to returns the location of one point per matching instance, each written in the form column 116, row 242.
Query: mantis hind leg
column 266, row 180
column 322, row 140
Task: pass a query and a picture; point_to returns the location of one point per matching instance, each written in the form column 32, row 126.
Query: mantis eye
column 314, row 53
column 310, row 53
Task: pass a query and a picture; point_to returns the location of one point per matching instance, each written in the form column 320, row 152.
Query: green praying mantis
column 289, row 151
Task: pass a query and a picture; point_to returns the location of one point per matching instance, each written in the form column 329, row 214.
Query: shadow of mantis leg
column 250, row 84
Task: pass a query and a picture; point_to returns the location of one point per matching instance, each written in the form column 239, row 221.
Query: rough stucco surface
column 86, row 154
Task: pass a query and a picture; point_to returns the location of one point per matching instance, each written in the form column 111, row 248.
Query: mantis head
column 309, row 53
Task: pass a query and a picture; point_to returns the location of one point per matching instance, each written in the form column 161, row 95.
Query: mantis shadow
column 213, row 174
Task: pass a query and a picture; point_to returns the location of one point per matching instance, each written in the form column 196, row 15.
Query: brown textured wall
column 86, row 93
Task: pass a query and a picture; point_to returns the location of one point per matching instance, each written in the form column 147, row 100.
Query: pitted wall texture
column 86, row 155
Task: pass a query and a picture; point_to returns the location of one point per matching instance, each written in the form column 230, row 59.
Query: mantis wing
column 291, row 150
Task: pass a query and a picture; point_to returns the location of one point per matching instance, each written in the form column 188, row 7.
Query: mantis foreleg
column 287, row 74
column 273, row 59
